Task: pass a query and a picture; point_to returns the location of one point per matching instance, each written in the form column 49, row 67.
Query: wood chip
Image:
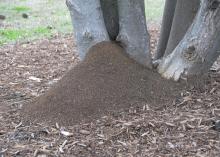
column 66, row 133
column 84, row 132
column 34, row 79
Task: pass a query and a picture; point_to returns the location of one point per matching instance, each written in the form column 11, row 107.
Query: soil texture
column 107, row 80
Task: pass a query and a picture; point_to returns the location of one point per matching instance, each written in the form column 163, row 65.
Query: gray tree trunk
column 184, row 14
column 88, row 24
column 110, row 13
column 199, row 48
column 167, row 22
column 133, row 32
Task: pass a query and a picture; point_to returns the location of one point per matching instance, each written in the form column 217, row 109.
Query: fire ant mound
column 107, row 80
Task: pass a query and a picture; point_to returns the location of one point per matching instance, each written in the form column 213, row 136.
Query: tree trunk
column 199, row 48
column 133, row 32
column 110, row 13
column 184, row 14
column 88, row 23
column 167, row 21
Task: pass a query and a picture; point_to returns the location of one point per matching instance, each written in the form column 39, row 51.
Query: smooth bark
column 199, row 48
column 133, row 32
column 88, row 24
column 167, row 22
column 184, row 15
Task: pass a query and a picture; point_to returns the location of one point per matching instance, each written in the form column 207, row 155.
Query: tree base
column 173, row 67
column 107, row 80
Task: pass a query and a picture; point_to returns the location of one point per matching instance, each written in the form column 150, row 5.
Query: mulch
column 186, row 127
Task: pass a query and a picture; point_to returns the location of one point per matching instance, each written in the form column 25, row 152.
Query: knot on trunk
column 213, row 4
column 190, row 53
column 88, row 35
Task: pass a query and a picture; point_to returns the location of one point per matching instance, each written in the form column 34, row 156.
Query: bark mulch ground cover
column 186, row 126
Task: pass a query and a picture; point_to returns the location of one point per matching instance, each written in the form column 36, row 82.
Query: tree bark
column 199, row 48
column 167, row 21
column 184, row 14
column 88, row 24
column 110, row 13
column 133, row 32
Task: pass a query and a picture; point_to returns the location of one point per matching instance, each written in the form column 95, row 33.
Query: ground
column 186, row 127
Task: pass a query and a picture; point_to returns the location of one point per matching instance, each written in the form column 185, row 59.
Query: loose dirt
column 107, row 80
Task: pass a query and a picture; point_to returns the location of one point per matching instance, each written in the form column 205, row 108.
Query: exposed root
column 172, row 68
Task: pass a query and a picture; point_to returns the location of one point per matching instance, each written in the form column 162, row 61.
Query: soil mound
column 107, row 80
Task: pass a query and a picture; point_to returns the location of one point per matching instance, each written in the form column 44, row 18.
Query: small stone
column 2, row 17
column 217, row 125
column 49, row 27
column 25, row 16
